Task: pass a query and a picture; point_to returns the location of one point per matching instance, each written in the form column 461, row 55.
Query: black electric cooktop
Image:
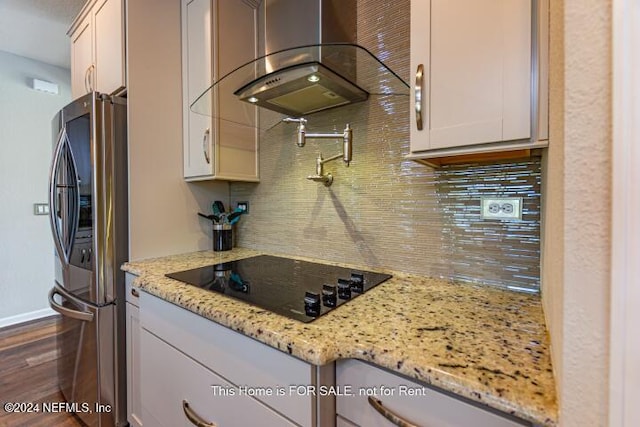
column 300, row 290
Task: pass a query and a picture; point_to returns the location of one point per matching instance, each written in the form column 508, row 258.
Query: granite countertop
column 488, row 345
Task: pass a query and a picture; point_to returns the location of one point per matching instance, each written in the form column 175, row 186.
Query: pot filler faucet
column 346, row 136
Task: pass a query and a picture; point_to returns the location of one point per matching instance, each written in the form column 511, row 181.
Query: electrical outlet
column 501, row 208
column 41, row 209
column 244, row 206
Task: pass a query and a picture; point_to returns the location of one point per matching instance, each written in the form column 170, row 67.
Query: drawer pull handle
column 135, row 292
column 388, row 414
column 195, row 419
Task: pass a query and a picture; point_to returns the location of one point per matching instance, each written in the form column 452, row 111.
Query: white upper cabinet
column 475, row 83
column 109, row 46
column 98, row 49
column 81, row 57
column 217, row 37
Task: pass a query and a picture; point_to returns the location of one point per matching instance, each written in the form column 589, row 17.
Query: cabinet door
column 81, row 58
column 476, row 83
column 217, row 37
column 197, row 77
column 109, row 46
column 134, row 405
column 236, row 146
column 170, row 378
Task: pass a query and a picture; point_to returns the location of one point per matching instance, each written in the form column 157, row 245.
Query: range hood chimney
column 311, row 62
column 285, row 24
column 311, row 84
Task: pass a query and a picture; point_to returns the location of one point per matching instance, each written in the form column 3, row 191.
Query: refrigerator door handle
column 74, row 196
column 55, row 205
column 85, row 316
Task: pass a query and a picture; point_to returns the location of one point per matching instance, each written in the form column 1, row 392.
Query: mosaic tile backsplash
column 384, row 210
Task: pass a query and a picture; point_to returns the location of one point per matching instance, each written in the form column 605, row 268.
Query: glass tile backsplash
column 384, row 210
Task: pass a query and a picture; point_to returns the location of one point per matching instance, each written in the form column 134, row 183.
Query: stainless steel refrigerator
column 88, row 213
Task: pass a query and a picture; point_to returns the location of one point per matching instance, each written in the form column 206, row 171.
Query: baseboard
column 25, row 317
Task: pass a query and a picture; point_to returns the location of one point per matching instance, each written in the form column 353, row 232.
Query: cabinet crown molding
column 81, row 15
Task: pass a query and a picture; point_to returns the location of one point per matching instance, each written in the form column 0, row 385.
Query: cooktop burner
column 300, row 290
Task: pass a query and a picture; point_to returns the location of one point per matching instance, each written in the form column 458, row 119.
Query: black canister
column 222, row 237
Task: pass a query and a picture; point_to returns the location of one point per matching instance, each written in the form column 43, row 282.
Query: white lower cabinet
column 134, row 414
column 178, row 391
column 403, row 400
column 185, row 370
column 224, row 377
column 134, row 405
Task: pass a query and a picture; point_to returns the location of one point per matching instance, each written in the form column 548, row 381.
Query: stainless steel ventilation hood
column 311, row 63
column 301, row 89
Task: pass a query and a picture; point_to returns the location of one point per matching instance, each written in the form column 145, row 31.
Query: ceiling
column 37, row 29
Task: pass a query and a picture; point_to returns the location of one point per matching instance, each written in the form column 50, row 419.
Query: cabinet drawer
column 341, row 422
column 239, row 359
column 429, row 409
column 170, row 378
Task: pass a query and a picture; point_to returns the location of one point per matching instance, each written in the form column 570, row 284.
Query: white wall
column 26, row 247
column 162, row 206
column 577, row 213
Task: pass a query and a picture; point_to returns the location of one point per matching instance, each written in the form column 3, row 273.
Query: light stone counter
column 485, row 344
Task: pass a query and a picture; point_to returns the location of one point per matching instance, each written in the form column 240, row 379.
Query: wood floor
column 28, row 373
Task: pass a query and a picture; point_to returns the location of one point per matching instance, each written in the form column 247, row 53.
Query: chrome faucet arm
column 323, row 161
column 346, row 136
column 324, row 135
column 347, row 150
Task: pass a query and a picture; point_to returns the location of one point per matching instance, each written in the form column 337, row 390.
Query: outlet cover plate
column 41, row 208
column 244, row 206
column 509, row 208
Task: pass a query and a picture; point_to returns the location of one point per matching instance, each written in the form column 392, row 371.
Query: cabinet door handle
column 92, row 82
column 205, row 145
column 86, row 79
column 195, row 419
column 135, row 292
column 388, row 414
column 418, row 92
